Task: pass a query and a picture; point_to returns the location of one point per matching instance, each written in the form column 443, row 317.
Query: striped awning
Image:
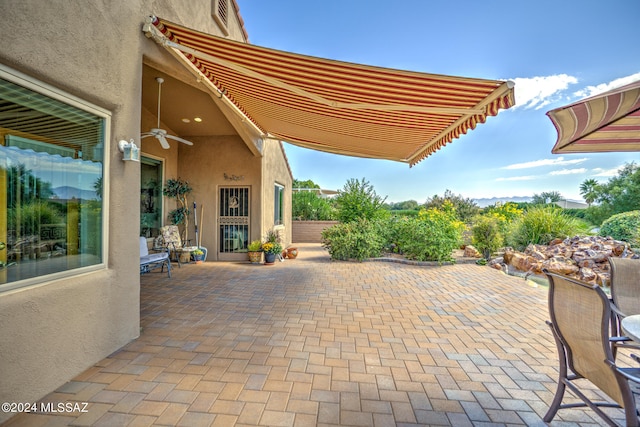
column 334, row 106
column 603, row 123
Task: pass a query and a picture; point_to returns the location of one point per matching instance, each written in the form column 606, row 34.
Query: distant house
column 571, row 204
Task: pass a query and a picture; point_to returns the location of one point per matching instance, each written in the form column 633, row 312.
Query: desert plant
column 358, row 200
column 541, row 224
column 624, row 226
column 307, row 205
column 487, row 235
column 358, row 240
column 433, row 236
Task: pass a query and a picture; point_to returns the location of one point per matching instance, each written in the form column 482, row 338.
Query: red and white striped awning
column 603, row 123
column 334, row 106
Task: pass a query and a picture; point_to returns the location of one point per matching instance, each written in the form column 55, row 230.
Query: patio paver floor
column 310, row 342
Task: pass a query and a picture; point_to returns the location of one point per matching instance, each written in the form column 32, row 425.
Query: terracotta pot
column 292, row 253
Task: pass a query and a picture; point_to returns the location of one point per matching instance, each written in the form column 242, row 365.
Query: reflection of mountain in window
column 51, row 158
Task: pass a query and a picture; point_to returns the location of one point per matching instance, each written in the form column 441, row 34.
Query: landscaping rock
column 471, row 252
column 584, row 258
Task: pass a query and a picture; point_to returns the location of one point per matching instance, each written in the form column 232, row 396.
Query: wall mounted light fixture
column 129, row 150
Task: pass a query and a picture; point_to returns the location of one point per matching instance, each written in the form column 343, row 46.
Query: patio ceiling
column 603, row 123
column 334, row 106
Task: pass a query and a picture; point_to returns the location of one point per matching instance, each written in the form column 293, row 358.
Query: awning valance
column 334, row 106
column 608, row 122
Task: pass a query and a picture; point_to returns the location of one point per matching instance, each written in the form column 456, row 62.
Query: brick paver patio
column 312, row 342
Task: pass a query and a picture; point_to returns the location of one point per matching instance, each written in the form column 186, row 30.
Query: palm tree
column 590, row 190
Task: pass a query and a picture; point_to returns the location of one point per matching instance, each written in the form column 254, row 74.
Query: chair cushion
column 151, row 258
column 144, row 249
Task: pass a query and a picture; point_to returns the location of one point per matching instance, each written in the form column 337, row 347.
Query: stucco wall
column 276, row 170
column 309, row 231
column 204, row 165
column 53, row 331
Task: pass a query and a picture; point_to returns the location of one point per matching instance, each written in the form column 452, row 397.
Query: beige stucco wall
column 204, row 165
column 276, row 171
column 53, row 331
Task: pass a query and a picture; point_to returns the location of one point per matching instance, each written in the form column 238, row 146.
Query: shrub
column 624, row 226
column 541, row 224
column 309, row 206
column 487, row 235
column 358, row 200
column 431, row 237
column 359, row 239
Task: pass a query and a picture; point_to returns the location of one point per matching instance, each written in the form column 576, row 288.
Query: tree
column 304, row 184
column 308, row 205
column 589, row 189
column 622, row 192
column 358, row 199
column 179, row 189
column 465, row 208
column 546, row 197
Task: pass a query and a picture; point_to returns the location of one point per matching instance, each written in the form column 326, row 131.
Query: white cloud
column 606, row 172
column 518, row 178
column 603, row 87
column 558, row 161
column 537, row 92
column 568, row 171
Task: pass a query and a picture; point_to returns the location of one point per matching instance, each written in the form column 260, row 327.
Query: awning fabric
column 334, row 106
column 603, row 123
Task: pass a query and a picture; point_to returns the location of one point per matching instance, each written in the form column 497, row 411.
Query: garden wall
column 309, row 231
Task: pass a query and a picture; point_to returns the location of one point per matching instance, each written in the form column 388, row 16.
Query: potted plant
column 254, row 249
column 197, row 255
column 271, row 249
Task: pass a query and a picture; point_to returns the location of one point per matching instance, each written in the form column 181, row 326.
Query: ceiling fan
column 161, row 134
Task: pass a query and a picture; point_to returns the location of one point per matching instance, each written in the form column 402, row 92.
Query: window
column 278, row 204
column 51, row 182
column 221, row 14
column 150, row 196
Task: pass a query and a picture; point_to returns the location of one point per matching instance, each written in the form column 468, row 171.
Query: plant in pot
column 254, row 249
column 179, row 190
column 271, row 250
column 197, row 255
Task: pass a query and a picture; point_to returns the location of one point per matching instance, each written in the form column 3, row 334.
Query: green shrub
column 541, row 224
column 487, row 236
column 359, row 239
column 431, row 237
column 358, row 199
column 309, row 206
column 624, row 226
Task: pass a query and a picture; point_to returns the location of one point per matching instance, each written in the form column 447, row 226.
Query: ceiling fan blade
column 163, row 141
column 184, row 141
column 146, row 134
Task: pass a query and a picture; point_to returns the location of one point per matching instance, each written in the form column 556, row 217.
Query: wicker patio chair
column 580, row 323
column 625, row 297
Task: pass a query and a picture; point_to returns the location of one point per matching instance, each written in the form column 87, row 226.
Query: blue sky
column 556, row 52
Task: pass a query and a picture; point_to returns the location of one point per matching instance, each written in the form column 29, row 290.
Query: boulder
column 523, row 262
column 471, row 252
column 561, row 265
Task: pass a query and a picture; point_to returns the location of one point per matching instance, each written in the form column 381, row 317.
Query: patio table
column 631, row 327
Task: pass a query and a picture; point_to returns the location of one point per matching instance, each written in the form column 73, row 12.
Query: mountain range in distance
column 484, row 202
column 68, row 193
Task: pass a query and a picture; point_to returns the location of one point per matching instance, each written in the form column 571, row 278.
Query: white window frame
column 42, row 88
column 278, row 204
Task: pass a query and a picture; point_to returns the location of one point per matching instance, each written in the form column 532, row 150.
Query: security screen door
column 233, row 221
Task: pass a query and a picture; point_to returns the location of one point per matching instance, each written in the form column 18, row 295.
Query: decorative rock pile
column 584, row 258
